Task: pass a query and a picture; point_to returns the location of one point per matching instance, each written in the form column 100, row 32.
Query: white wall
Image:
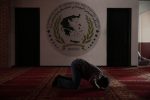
column 144, row 21
column 97, row 55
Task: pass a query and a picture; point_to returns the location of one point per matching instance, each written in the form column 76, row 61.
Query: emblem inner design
column 73, row 28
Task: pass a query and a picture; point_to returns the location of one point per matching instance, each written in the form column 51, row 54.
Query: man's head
column 102, row 83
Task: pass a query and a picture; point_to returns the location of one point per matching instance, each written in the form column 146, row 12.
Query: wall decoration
column 73, row 28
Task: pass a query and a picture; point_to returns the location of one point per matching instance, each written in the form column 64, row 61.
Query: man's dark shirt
column 87, row 70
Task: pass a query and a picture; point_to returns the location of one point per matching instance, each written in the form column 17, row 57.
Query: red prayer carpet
column 35, row 84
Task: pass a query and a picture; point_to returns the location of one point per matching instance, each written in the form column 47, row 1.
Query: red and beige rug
column 35, row 84
column 129, row 83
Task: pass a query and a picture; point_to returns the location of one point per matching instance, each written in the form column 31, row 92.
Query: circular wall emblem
column 73, row 28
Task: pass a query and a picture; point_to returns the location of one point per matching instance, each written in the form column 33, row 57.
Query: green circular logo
column 73, row 28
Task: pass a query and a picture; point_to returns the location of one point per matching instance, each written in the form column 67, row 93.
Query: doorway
column 119, row 36
column 27, row 36
column 144, row 33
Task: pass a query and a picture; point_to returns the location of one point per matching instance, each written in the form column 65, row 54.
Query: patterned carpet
column 35, row 84
column 129, row 83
